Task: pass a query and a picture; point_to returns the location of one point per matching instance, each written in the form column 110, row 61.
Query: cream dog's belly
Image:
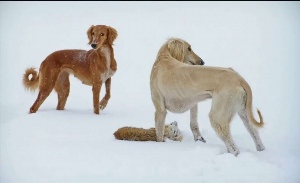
column 182, row 105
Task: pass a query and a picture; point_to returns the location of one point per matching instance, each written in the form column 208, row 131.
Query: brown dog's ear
column 176, row 48
column 112, row 35
column 89, row 34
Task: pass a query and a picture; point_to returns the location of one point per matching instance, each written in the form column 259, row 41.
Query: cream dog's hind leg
column 220, row 115
column 253, row 131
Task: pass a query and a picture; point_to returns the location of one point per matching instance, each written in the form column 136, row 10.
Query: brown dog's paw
column 32, row 110
column 96, row 111
column 103, row 104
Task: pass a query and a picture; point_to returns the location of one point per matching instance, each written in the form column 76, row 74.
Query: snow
column 260, row 40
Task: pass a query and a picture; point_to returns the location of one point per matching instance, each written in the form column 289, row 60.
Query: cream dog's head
column 182, row 51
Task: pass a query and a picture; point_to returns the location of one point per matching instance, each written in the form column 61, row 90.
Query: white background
column 260, row 40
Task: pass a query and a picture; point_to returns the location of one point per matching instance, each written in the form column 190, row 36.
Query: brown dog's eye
column 101, row 34
column 189, row 48
column 93, row 33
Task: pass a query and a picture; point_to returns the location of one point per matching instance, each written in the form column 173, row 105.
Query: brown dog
column 92, row 67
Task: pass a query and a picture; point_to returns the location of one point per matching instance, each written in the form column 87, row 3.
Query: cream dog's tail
column 32, row 83
column 248, row 109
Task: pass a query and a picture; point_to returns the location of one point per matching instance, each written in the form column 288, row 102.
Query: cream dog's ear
column 176, row 48
column 89, row 34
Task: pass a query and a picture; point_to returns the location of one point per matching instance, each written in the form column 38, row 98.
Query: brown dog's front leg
column 96, row 96
column 105, row 99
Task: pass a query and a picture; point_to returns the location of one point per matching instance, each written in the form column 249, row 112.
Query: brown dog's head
column 182, row 51
column 101, row 34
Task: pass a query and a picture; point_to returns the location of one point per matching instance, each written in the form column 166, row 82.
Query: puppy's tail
column 135, row 134
column 32, row 83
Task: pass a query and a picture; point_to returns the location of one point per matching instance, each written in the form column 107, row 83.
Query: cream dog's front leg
column 194, row 124
column 160, row 117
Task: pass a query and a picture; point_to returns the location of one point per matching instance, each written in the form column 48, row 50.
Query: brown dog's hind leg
column 46, row 86
column 43, row 94
column 62, row 87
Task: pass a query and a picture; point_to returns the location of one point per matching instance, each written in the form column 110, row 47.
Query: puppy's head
column 173, row 132
column 182, row 51
column 99, row 35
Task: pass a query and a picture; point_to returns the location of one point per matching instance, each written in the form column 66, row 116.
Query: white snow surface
column 260, row 40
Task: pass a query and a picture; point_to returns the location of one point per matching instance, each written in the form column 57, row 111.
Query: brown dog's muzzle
column 94, row 46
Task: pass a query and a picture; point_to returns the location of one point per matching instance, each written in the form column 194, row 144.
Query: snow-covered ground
column 260, row 40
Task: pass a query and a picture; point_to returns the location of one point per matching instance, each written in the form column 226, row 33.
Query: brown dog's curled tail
column 32, row 83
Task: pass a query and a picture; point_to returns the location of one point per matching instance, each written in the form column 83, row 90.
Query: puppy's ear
column 112, row 35
column 176, row 48
column 89, row 34
column 174, row 123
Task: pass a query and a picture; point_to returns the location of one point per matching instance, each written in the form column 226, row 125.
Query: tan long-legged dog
column 92, row 67
column 178, row 84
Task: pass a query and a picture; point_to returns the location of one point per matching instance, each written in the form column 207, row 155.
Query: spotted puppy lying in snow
column 172, row 132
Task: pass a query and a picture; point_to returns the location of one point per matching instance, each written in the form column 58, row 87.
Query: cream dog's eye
column 189, row 48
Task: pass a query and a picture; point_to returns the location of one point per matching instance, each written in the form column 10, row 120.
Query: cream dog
column 178, row 83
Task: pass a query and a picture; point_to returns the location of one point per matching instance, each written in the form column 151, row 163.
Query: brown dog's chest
column 106, row 60
column 105, row 75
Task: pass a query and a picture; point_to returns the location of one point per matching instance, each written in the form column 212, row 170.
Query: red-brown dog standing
column 92, row 67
